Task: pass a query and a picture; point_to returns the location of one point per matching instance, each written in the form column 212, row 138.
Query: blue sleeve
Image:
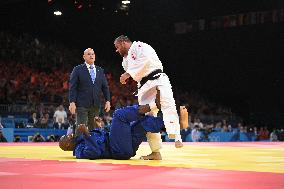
column 127, row 114
column 152, row 124
column 86, row 148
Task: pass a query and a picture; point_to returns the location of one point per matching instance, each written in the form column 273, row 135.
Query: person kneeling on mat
column 127, row 131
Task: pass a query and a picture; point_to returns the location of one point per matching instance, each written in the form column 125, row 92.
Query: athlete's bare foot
column 152, row 156
column 178, row 144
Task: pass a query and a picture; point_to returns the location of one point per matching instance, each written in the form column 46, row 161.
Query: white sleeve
column 124, row 64
column 137, row 63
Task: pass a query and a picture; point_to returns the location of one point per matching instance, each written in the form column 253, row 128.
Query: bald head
column 87, row 50
column 89, row 56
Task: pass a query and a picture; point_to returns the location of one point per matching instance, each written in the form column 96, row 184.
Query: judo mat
column 232, row 165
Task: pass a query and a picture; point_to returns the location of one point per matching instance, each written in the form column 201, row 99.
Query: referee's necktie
column 93, row 74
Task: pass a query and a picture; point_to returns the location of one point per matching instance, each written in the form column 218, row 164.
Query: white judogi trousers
column 147, row 95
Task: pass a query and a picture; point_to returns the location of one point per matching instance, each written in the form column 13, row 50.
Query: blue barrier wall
column 223, row 137
column 217, row 136
column 8, row 134
column 24, row 133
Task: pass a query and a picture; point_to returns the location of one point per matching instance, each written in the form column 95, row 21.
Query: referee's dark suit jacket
column 83, row 91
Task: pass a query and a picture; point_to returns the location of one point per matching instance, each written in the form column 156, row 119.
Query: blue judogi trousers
column 128, row 131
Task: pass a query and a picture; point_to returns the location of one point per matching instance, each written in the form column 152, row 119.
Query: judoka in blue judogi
column 127, row 131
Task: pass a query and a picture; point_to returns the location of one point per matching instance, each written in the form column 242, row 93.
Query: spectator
column 33, row 120
column 190, row 124
column 38, row 138
column 60, row 124
column 17, row 138
column 195, row 134
column 225, row 128
column 2, row 137
column 198, row 122
column 230, row 129
column 61, row 114
column 280, row 135
column 218, row 127
column 43, row 123
column 1, row 126
column 273, row 135
column 206, row 131
column 184, row 133
column 50, row 138
column 256, row 133
column 263, row 133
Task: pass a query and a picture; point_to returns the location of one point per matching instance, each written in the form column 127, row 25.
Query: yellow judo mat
column 258, row 157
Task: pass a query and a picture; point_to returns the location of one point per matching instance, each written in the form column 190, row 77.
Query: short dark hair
column 67, row 143
column 122, row 38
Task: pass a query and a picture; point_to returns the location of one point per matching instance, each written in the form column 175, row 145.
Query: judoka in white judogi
column 138, row 62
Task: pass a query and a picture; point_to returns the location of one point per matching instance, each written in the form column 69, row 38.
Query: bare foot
column 178, row 144
column 152, row 156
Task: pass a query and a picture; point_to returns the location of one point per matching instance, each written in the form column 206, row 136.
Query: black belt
column 152, row 76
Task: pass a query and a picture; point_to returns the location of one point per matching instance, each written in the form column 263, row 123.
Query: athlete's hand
column 124, row 77
column 72, row 107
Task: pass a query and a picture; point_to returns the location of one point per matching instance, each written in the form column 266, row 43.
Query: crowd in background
column 34, row 80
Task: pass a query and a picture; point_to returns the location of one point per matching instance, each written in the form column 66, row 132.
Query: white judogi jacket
column 141, row 60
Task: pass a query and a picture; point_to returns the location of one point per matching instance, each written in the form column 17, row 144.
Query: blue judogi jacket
column 95, row 146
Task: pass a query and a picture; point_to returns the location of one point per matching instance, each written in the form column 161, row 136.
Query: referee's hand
column 72, row 107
